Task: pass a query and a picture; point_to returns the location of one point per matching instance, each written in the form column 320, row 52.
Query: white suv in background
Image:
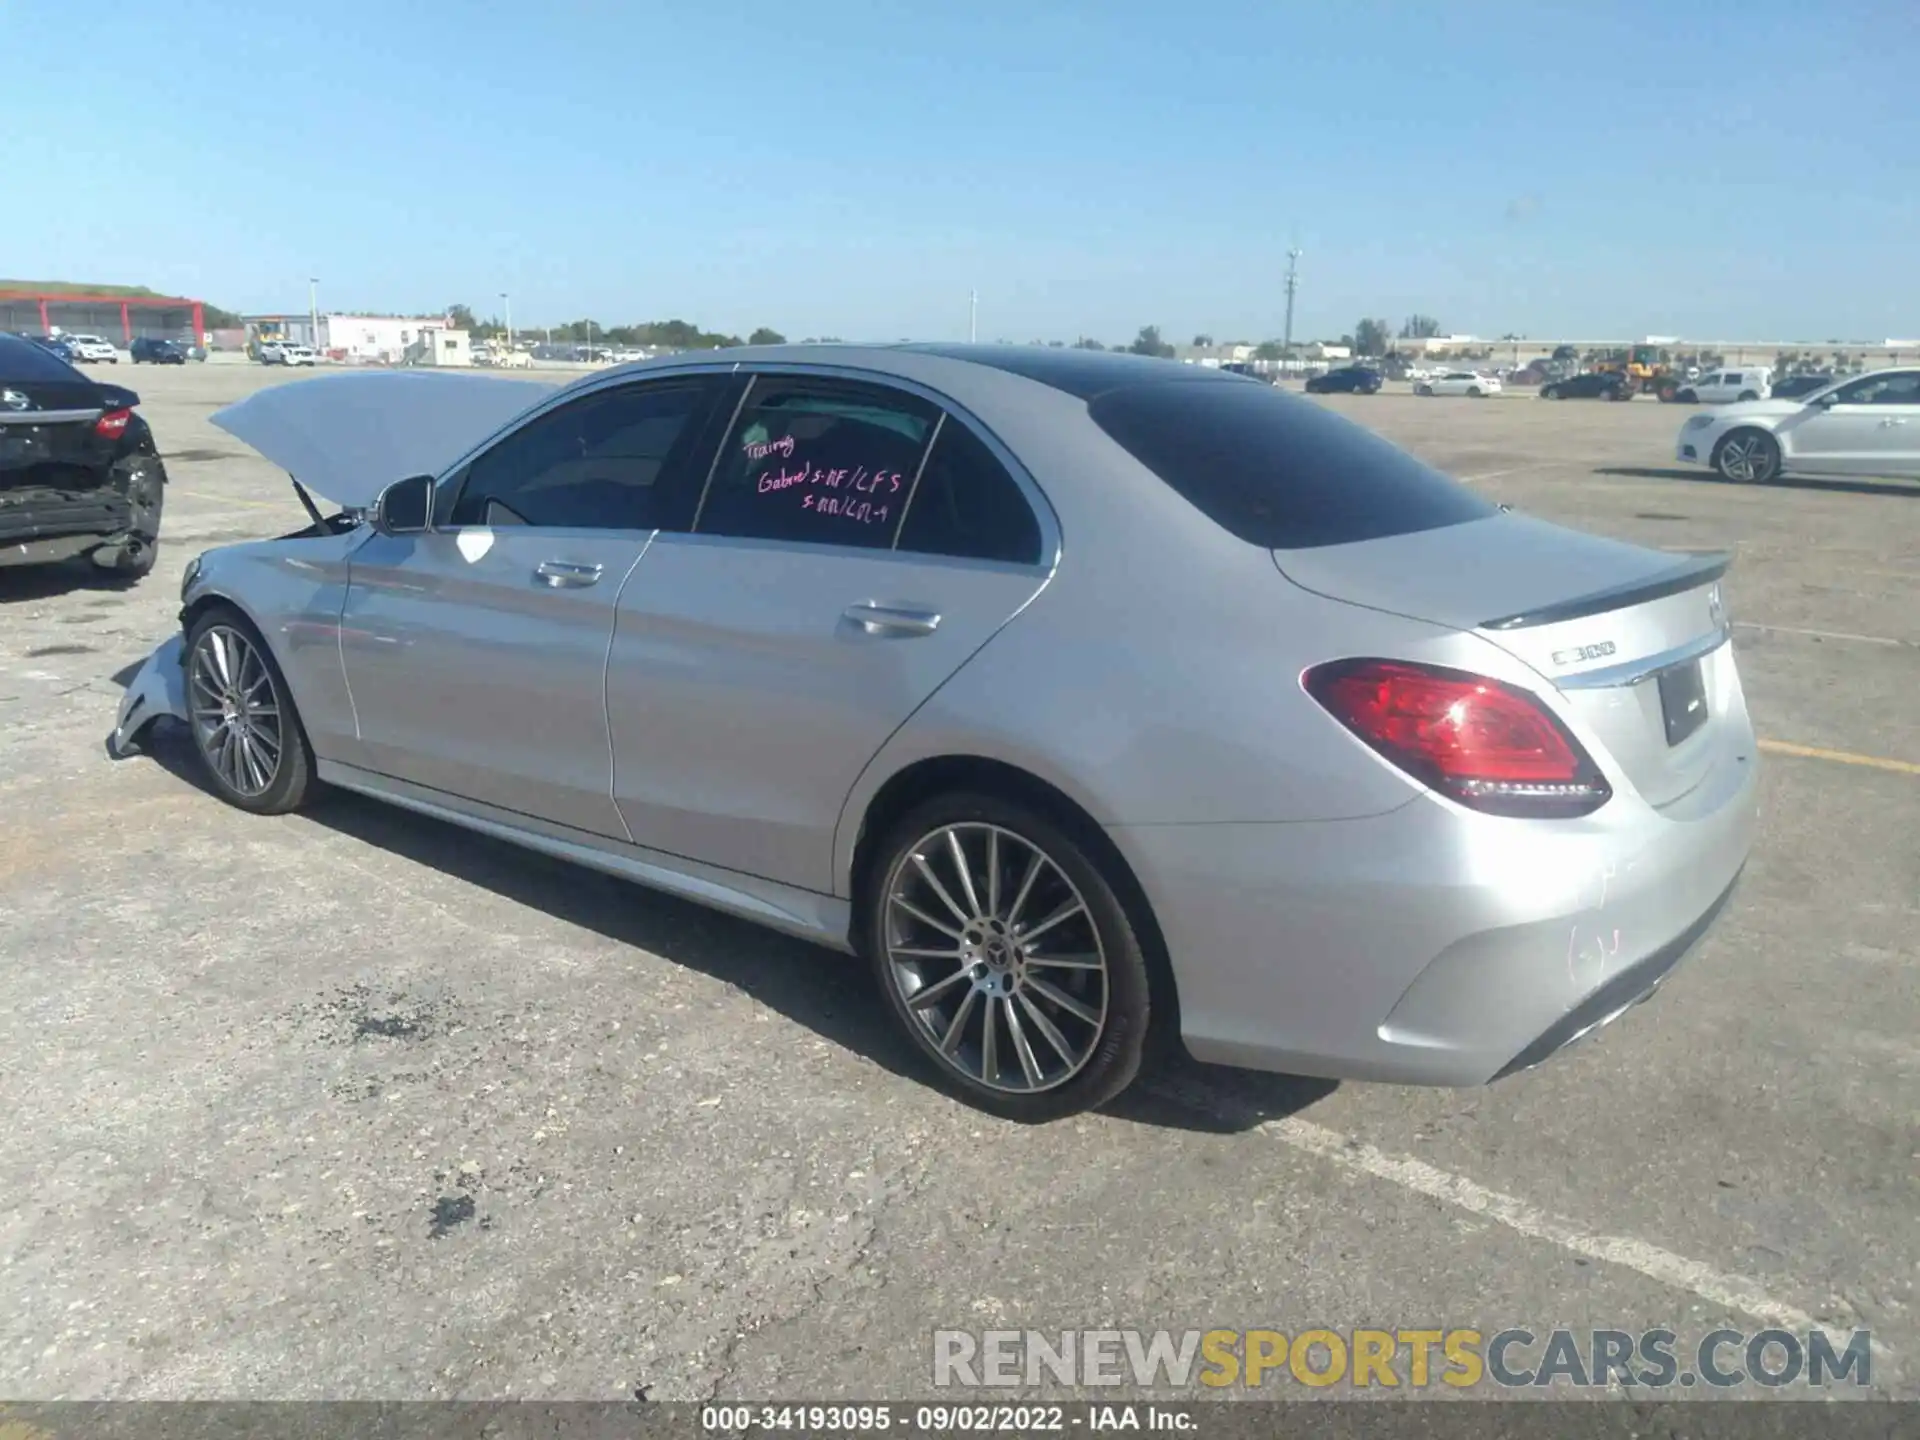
column 296, row 355
column 91, row 348
column 1728, row 387
column 1869, row 425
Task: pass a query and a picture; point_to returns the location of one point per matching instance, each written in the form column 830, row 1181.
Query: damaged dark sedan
column 79, row 471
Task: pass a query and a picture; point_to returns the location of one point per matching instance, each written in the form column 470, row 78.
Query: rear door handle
column 891, row 619
column 564, row 575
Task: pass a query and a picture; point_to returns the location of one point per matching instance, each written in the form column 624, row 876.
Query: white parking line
column 1728, row 1291
column 1823, row 634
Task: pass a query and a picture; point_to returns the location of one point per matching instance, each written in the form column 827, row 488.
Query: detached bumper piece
column 158, row 688
column 1620, row 994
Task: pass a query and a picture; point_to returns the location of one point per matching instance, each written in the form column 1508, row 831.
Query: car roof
column 1082, row 374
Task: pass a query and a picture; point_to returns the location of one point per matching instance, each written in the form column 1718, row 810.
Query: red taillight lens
column 1488, row 745
column 113, row 424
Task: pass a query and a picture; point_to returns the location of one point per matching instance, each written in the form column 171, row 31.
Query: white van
column 1724, row 387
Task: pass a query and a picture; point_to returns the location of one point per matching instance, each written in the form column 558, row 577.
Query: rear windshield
column 1278, row 471
column 24, row 360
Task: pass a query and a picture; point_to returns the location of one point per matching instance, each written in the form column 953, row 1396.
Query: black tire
column 1423, row 389
column 891, row 935
column 292, row 782
column 1476, row 393
column 1747, row 457
column 1687, row 397
column 1749, row 395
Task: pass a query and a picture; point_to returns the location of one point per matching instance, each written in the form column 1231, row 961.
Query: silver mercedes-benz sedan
column 1081, row 694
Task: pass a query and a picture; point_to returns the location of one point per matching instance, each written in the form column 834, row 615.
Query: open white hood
column 348, row 437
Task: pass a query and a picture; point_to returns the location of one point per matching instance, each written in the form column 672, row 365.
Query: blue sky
column 856, row 167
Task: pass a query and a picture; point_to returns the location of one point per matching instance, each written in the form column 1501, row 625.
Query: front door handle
column 564, row 575
column 892, row 619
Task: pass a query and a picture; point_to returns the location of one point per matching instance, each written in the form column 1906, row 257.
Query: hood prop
column 306, row 501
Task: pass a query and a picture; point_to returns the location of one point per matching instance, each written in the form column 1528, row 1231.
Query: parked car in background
column 297, row 355
column 1796, row 386
column 1458, row 382
column 792, row 631
column 1864, row 426
column 92, row 350
column 54, row 344
column 513, row 360
column 1724, row 387
column 1594, row 385
column 1352, row 380
column 79, row 471
column 267, row 352
column 146, row 350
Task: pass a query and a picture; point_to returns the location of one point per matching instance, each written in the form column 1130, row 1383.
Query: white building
column 384, row 338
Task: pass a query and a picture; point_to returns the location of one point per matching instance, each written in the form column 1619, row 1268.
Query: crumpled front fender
column 159, row 688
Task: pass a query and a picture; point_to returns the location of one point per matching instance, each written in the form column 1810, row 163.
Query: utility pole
column 973, row 316
column 507, row 300
column 1293, row 284
column 313, row 312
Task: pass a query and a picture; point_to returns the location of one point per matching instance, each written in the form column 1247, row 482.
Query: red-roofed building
column 163, row 317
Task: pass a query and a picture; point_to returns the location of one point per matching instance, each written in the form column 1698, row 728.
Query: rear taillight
column 1486, row 744
column 113, row 424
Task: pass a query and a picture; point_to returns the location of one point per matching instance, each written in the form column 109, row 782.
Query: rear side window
column 818, row 461
column 967, row 505
column 1278, row 471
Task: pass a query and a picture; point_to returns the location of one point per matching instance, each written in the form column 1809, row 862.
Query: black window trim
column 947, row 410
column 564, row 396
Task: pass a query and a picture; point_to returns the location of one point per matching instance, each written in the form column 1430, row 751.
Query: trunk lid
column 1634, row 638
column 46, row 436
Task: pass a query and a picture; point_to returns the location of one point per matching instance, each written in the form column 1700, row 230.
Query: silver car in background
column 1080, row 693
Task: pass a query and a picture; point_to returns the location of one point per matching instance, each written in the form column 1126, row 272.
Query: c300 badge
column 1580, row 654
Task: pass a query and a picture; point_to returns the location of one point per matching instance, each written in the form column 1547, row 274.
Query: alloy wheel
column 235, row 710
column 1747, row 457
column 995, row 957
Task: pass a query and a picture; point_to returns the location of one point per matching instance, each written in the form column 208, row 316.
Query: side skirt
column 822, row 919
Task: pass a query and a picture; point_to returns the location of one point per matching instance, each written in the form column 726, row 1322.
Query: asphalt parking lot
column 353, row 1104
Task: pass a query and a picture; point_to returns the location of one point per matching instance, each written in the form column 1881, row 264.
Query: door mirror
column 403, row 507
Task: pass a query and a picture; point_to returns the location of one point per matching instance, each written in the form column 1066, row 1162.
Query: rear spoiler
column 1699, row 568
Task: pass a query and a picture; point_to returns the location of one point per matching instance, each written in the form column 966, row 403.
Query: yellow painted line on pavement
column 1840, row 757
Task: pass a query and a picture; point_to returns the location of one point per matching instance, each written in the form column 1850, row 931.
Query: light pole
column 313, row 312
column 1293, row 284
column 973, row 316
column 507, row 301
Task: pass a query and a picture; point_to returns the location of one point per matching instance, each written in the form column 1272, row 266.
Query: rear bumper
column 60, row 527
column 1430, row 946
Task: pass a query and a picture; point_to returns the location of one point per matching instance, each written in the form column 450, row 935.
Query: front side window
column 598, row 463
column 1900, row 388
column 817, row 461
